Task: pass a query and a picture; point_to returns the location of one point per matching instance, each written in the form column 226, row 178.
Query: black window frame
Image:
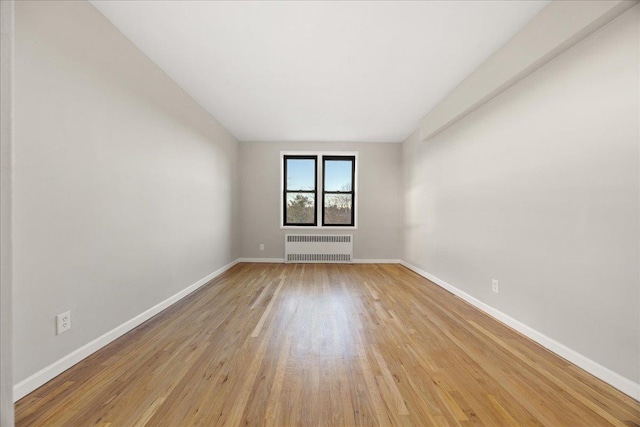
column 285, row 191
column 326, row 158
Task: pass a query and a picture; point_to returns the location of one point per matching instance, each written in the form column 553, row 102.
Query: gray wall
column 124, row 187
column 379, row 233
column 6, row 137
column 539, row 189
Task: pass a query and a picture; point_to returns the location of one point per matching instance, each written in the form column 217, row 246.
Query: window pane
column 301, row 208
column 337, row 209
column 301, row 174
column 337, row 175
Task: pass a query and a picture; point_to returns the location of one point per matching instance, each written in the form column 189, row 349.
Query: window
column 338, row 176
column 334, row 173
column 300, row 178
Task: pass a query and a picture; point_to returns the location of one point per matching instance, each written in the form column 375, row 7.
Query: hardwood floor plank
column 388, row 379
column 258, row 327
column 324, row 345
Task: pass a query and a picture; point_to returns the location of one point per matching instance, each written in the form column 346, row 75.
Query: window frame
column 285, row 191
column 319, row 182
column 352, row 192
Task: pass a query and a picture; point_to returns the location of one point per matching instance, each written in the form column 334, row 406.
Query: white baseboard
column 623, row 384
column 355, row 261
column 376, row 261
column 44, row 375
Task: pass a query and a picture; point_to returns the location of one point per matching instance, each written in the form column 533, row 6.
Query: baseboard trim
column 614, row 379
column 354, row 261
column 46, row 374
column 376, row 261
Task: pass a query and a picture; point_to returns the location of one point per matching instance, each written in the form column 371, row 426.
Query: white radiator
column 318, row 247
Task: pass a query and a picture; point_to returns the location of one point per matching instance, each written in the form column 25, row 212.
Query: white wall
column 379, row 210
column 539, row 188
column 6, row 142
column 124, row 186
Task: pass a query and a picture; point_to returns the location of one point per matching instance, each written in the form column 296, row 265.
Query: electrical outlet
column 261, row 246
column 63, row 322
column 494, row 286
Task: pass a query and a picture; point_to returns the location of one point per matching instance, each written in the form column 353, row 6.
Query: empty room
column 320, row 213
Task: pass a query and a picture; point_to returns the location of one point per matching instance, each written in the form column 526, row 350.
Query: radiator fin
column 319, row 257
column 318, row 248
column 318, row 238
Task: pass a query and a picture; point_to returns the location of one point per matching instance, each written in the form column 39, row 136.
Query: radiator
column 318, row 247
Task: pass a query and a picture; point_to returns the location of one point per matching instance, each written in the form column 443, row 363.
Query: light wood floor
column 304, row 344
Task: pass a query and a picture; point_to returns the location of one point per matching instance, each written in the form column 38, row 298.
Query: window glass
column 300, row 194
column 301, row 208
column 301, row 174
column 337, row 190
column 338, row 175
column 338, row 209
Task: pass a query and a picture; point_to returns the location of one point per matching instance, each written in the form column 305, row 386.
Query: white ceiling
column 319, row 71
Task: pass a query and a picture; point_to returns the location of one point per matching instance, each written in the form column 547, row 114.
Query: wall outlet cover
column 495, row 287
column 63, row 322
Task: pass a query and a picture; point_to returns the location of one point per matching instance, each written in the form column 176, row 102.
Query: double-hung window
column 305, row 175
column 338, row 176
column 300, row 194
